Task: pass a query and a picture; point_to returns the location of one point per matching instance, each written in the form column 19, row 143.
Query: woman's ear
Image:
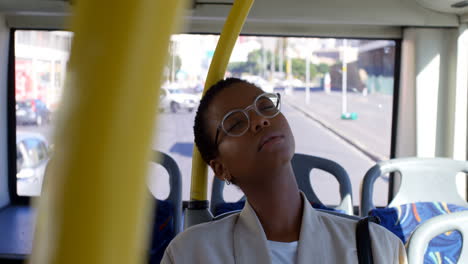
column 219, row 169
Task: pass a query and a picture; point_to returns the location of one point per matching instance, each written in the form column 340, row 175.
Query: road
column 175, row 137
column 371, row 132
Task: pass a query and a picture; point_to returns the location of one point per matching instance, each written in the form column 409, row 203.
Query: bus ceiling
column 341, row 18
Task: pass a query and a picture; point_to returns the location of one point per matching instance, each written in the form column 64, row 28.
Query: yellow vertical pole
column 96, row 206
column 226, row 42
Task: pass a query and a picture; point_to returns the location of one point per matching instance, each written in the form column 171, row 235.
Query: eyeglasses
column 236, row 122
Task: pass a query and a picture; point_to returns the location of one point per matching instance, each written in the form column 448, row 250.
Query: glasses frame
column 245, row 112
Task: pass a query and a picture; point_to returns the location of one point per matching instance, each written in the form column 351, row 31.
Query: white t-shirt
column 283, row 253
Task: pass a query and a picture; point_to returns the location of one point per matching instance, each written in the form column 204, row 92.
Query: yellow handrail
column 96, row 206
column 227, row 40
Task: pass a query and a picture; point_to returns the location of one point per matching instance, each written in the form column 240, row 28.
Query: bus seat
column 421, row 244
column 422, row 180
column 218, row 205
column 168, row 214
column 427, row 190
column 302, row 165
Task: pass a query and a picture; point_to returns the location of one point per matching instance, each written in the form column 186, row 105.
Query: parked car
column 260, row 82
column 32, row 111
column 32, row 155
column 291, row 83
column 175, row 100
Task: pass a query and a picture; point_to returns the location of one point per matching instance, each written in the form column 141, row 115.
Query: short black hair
column 205, row 144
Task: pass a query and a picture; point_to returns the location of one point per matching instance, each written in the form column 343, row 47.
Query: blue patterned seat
column 402, row 220
column 427, row 190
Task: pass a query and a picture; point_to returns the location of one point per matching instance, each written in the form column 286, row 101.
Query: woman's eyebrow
column 237, row 108
column 255, row 97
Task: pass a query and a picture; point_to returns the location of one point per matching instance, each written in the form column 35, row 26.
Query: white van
column 176, row 100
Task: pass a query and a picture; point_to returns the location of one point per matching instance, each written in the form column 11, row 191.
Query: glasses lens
column 268, row 105
column 236, row 123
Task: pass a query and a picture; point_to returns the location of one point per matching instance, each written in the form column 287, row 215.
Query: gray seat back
column 419, row 241
column 422, row 180
column 217, row 196
column 302, row 165
column 175, row 184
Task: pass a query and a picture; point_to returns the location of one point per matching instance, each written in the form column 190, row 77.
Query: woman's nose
column 259, row 122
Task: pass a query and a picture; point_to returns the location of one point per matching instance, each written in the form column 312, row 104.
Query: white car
column 260, row 82
column 175, row 100
column 32, row 155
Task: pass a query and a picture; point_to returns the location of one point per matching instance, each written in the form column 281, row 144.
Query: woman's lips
column 269, row 140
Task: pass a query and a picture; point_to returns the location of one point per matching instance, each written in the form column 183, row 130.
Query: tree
column 254, row 65
column 174, row 62
column 169, row 70
column 323, row 68
column 299, row 69
column 254, row 61
column 237, row 68
column 173, row 65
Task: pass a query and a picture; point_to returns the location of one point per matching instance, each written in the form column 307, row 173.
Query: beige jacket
column 240, row 239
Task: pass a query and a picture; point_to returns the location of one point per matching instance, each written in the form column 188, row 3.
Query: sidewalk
column 370, row 133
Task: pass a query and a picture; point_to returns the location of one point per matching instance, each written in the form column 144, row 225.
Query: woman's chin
column 278, row 156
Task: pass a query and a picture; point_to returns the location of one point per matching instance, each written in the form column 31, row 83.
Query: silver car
column 32, row 155
column 175, row 100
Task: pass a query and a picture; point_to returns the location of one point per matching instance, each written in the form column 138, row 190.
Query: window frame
column 15, row 199
column 395, row 113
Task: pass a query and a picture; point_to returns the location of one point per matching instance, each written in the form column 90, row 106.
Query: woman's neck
column 278, row 205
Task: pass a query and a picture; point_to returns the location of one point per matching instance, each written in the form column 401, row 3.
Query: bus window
column 337, row 94
column 40, row 60
column 353, row 129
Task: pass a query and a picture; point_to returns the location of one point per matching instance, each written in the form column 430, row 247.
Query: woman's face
column 267, row 145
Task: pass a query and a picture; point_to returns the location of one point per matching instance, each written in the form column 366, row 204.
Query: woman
column 245, row 139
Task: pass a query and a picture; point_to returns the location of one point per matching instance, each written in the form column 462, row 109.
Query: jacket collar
column 250, row 242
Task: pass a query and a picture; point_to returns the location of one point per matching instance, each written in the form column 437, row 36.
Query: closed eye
column 268, row 107
column 237, row 124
